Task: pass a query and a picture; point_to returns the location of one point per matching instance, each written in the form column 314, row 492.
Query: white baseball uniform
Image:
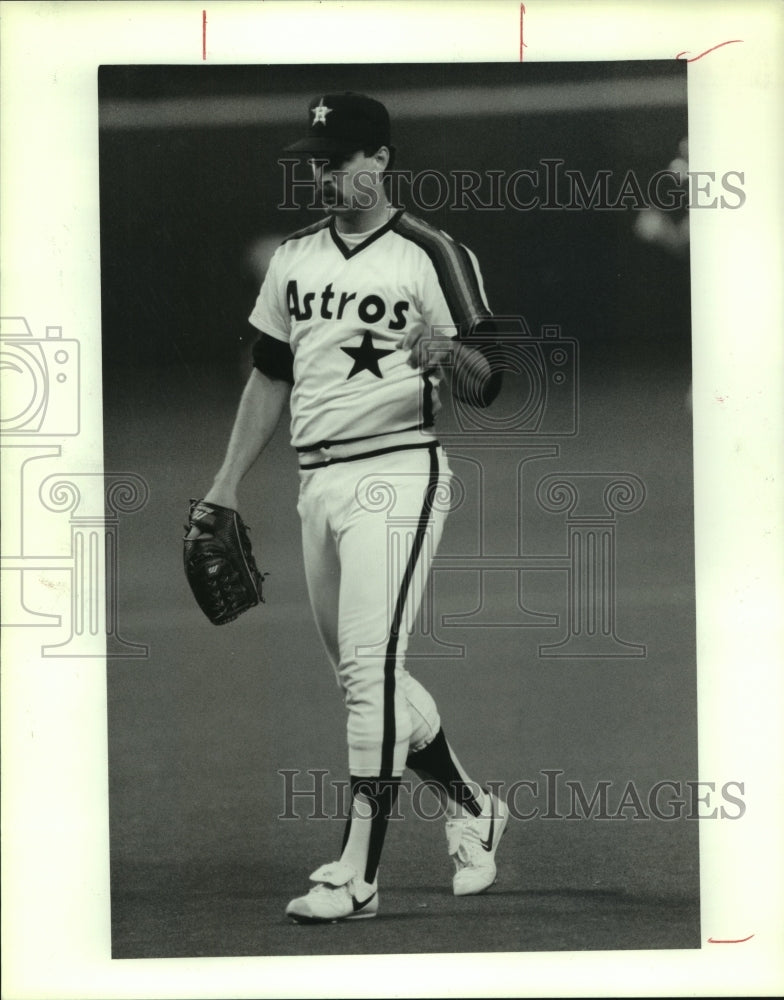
column 333, row 312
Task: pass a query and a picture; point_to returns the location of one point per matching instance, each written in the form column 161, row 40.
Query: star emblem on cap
column 320, row 113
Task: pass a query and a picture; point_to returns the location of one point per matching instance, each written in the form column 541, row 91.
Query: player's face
column 349, row 182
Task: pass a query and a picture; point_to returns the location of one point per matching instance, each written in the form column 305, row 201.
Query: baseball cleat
column 339, row 894
column 472, row 843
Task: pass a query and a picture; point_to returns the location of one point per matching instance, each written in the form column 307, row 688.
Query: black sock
column 381, row 794
column 434, row 763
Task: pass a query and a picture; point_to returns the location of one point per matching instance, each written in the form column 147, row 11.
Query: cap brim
column 317, row 145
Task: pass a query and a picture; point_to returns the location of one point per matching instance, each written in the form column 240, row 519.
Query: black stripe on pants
column 388, row 741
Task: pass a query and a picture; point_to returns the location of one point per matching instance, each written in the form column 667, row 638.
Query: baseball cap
column 339, row 123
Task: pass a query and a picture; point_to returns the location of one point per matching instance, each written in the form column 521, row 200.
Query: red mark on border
column 522, row 43
column 204, row 34
column 729, row 941
column 732, row 41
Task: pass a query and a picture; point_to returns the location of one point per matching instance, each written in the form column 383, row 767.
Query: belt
column 331, row 452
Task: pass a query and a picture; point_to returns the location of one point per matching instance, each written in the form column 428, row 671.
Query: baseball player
column 360, row 318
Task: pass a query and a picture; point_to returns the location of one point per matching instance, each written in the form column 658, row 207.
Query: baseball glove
column 219, row 563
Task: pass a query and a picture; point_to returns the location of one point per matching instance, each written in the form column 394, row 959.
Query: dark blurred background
column 189, row 184
column 187, row 192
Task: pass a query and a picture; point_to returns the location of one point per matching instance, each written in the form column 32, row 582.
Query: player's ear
column 382, row 157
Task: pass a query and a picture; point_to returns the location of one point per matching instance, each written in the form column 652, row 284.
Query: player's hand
column 224, row 496
column 425, row 349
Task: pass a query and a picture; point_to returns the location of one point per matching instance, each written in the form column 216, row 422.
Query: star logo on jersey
column 365, row 357
column 320, row 113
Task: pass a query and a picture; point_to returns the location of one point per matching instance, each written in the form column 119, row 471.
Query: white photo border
column 56, row 933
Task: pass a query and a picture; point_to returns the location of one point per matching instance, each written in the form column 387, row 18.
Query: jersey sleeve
column 453, row 295
column 272, row 352
column 274, row 358
column 270, row 314
column 454, row 304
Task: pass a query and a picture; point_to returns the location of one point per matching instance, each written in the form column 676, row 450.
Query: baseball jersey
column 333, row 315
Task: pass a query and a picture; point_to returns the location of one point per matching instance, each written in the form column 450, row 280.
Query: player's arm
column 266, row 393
column 458, row 331
column 261, row 406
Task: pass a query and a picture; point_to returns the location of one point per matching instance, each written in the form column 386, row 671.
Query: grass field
column 201, row 728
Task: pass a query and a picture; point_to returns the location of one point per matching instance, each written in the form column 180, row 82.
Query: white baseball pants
column 370, row 529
